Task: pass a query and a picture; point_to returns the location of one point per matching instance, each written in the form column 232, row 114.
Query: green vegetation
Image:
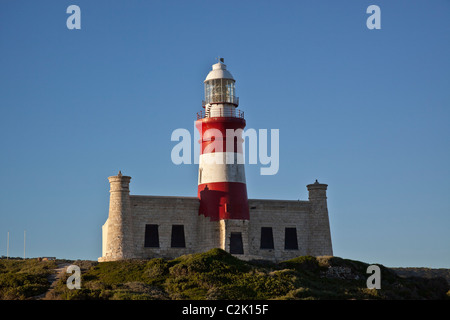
column 423, row 273
column 218, row 275
column 22, row 279
column 214, row 275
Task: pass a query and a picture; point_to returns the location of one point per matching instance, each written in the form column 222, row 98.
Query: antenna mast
column 24, row 238
column 7, row 247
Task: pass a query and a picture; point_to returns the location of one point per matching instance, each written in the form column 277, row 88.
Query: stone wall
column 164, row 212
column 309, row 218
column 278, row 214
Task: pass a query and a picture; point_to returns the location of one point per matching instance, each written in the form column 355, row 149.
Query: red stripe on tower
column 221, row 179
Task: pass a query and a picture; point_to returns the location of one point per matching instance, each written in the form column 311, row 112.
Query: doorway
column 236, row 245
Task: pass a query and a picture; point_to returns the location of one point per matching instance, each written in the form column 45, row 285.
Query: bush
column 215, row 274
column 214, row 260
column 303, row 263
column 22, row 279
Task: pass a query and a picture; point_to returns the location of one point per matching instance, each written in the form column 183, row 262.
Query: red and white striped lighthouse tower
column 221, row 179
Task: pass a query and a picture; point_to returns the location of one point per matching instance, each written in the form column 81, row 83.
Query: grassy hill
column 21, row 279
column 423, row 273
column 218, row 275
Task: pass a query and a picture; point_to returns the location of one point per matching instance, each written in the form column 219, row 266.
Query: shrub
column 212, row 260
column 22, row 279
column 214, row 274
column 303, row 263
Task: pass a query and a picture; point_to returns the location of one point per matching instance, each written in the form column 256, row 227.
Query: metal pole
column 24, row 240
column 7, row 247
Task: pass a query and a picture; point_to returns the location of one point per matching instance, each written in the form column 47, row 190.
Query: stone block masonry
column 144, row 227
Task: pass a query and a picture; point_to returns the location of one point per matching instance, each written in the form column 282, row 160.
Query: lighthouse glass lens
column 217, row 90
column 208, row 92
column 229, row 90
column 220, row 90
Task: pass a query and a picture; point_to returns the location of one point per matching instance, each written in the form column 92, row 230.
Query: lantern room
column 220, row 86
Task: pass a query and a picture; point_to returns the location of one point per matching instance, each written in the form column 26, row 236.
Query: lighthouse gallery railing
column 224, row 113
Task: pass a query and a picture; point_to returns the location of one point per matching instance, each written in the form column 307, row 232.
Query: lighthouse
column 222, row 189
column 151, row 226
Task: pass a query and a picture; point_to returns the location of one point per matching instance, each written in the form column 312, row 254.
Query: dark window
column 151, row 236
column 236, row 246
column 177, row 240
column 290, row 239
column 266, row 238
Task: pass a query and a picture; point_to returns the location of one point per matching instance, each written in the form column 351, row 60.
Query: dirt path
column 53, row 279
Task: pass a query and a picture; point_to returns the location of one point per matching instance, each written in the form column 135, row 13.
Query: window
column 151, row 239
column 266, row 238
column 220, row 90
column 177, row 240
column 290, row 239
column 236, row 245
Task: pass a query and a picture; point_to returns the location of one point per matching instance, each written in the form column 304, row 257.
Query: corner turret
column 319, row 225
column 117, row 235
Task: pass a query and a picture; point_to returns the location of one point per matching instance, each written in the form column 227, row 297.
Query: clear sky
column 365, row 111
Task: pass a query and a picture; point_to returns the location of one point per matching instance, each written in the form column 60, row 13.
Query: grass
column 216, row 274
column 23, row 279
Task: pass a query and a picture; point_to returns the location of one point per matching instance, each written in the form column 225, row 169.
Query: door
column 236, row 245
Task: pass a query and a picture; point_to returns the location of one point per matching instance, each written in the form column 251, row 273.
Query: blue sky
column 365, row 111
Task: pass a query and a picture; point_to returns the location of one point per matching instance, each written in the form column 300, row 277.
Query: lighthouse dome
column 219, row 71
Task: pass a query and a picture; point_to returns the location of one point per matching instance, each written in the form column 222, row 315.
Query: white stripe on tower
column 221, row 167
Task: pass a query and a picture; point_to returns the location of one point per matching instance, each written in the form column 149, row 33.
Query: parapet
column 317, row 190
column 119, row 183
